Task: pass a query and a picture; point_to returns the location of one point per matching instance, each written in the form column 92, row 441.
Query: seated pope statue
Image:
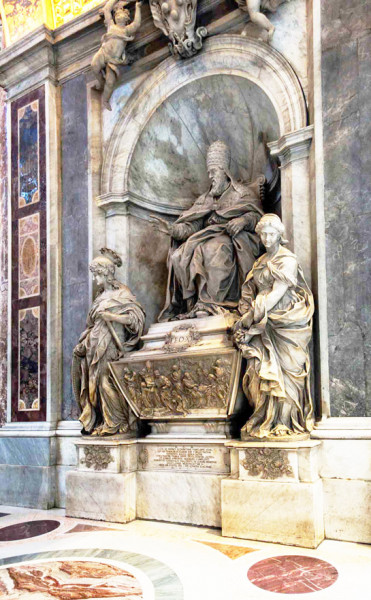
column 214, row 244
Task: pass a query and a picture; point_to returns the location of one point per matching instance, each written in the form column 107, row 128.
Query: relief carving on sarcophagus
column 179, row 386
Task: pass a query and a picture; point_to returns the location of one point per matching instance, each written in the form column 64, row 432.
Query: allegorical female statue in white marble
column 273, row 334
column 214, row 243
column 114, row 325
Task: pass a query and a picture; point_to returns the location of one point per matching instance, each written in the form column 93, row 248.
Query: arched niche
column 231, row 55
column 178, row 133
column 236, row 89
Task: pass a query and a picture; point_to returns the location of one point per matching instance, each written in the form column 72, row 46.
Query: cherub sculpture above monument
column 114, row 325
column 254, row 8
column 273, row 334
column 112, row 51
column 177, row 20
column 214, row 243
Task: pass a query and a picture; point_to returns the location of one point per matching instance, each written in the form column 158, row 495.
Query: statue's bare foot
column 281, row 430
column 107, row 105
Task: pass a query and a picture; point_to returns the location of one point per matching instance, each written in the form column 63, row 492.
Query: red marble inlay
column 68, row 580
column 28, row 529
column 292, row 574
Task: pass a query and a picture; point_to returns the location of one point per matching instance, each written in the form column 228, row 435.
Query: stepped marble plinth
column 274, row 493
column 104, row 485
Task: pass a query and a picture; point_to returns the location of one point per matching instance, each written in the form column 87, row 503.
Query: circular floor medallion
column 292, row 574
column 69, row 580
column 28, row 529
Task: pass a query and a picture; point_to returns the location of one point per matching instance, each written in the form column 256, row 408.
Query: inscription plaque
column 187, row 458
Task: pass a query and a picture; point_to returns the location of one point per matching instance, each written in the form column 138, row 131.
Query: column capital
column 293, row 146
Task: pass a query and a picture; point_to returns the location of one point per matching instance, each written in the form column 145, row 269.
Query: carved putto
column 177, row 20
column 112, row 52
column 273, row 334
column 114, row 325
column 255, row 10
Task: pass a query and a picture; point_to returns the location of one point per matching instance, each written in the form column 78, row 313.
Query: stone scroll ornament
column 273, row 334
column 255, row 9
column 112, row 52
column 114, row 325
column 177, row 20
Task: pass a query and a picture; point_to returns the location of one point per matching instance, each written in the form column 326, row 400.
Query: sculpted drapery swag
column 205, row 262
column 276, row 381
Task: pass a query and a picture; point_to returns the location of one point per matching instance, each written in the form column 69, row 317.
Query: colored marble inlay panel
column 232, row 552
column 69, row 580
column 292, row 574
column 81, row 528
column 29, row 359
column 165, row 582
column 28, row 154
column 29, row 256
column 28, row 529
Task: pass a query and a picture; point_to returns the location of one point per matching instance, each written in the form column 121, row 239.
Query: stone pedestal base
column 104, row 485
column 180, row 480
column 101, row 496
column 274, row 494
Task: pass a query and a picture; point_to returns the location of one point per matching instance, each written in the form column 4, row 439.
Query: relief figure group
column 171, row 388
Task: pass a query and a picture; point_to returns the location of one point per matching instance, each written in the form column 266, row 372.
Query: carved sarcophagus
column 186, row 371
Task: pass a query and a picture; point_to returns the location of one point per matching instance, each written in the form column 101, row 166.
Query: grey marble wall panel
column 147, row 266
column 75, row 225
column 346, row 77
column 33, row 451
column 33, row 487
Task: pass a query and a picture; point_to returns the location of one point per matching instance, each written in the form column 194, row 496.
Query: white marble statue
column 273, row 334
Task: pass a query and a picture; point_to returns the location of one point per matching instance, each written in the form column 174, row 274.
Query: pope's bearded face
column 218, row 178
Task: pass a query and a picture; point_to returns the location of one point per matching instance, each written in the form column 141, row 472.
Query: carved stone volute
column 177, row 20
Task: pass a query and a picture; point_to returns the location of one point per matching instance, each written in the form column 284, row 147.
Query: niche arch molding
column 222, row 55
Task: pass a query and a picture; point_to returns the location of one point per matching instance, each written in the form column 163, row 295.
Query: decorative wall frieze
column 293, row 146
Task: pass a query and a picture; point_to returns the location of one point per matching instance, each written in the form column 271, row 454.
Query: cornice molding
column 67, row 51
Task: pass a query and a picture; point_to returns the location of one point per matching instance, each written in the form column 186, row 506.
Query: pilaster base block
column 101, row 496
column 179, row 480
column 274, row 494
column 191, row 498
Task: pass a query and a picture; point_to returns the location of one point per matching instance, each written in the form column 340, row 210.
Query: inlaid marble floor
column 46, row 556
